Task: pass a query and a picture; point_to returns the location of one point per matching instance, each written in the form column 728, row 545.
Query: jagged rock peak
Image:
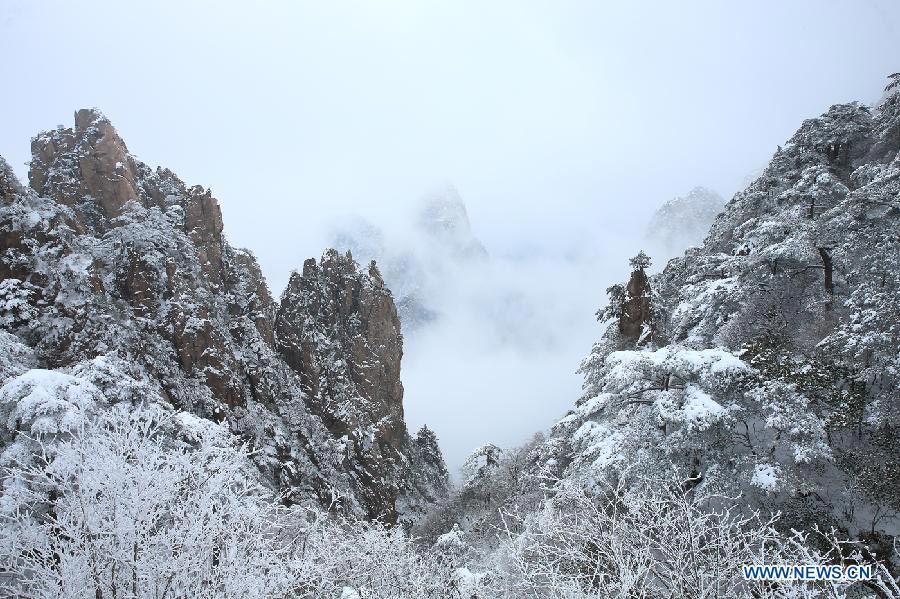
column 352, row 307
column 150, row 291
column 89, row 169
column 89, row 160
column 443, row 217
column 443, row 209
column 337, row 327
column 121, row 275
column 93, row 118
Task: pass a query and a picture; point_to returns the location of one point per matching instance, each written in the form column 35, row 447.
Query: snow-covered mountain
column 118, row 285
column 444, row 220
column 165, row 424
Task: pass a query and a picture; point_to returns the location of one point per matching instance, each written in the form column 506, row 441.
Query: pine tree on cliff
column 427, row 442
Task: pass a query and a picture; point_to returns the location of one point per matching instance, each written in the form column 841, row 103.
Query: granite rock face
column 337, row 327
column 635, row 305
column 87, row 166
column 107, row 261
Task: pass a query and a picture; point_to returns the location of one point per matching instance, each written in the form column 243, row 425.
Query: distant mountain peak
column 440, row 241
column 443, row 217
column 684, row 221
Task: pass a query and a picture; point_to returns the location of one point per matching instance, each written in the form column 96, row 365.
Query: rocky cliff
column 122, row 274
column 338, row 329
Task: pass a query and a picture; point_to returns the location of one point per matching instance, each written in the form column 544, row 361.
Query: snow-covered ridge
column 773, row 364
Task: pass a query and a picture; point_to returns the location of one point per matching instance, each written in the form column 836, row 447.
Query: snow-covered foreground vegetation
column 142, row 502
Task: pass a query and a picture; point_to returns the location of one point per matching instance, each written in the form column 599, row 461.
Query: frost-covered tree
column 146, row 503
column 120, row 509
column 655, row 539
column 640, row 262
column 425, row 477
column 895, row 82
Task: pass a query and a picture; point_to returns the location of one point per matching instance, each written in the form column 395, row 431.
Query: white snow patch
column 699, row 408
column 47, row 401
column 765, row 476
column 468, row 582
column 452, row 539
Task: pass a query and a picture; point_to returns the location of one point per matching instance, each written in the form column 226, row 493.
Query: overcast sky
column 560, row 123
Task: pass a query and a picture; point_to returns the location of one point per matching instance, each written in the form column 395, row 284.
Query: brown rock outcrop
column 635, row 311
column 89, row 169
column 338, row 328
column 91, row 160
column 203, row 222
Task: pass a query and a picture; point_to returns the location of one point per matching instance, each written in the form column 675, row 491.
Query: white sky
column 561, row 123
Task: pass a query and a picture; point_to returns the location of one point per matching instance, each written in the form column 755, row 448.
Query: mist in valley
column 492, row 336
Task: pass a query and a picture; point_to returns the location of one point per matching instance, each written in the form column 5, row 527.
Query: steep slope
column 772, row 372
column 120, row 276
column 338, row 329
